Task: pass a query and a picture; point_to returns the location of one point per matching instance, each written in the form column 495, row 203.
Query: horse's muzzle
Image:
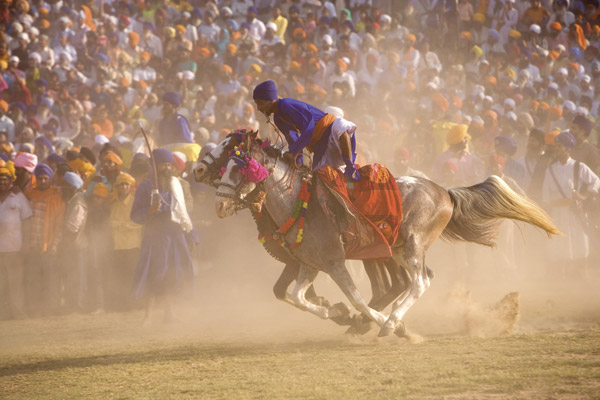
column 224, row 208
column 199, row 172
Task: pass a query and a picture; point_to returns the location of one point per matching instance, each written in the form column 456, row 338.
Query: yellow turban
column 170, row 32
column 7, row 168
column 83, row 168
column 101, row 190
column 113, row 157
column 514, row 34
column 479, row 17
column 124, row 177
column 457, row 134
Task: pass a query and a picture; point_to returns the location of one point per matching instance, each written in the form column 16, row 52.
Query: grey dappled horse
column 429, row 211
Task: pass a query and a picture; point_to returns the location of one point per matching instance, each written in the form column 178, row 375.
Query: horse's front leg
column 306, row 277
column 339, row 273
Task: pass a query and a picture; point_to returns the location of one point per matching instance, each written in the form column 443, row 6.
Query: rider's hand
column 352, row 173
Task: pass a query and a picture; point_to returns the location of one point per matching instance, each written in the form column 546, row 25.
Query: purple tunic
column 165, row 262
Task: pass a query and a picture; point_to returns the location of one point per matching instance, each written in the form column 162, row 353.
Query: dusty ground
column 235, row 341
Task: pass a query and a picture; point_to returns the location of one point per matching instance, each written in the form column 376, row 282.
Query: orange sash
column 320, row 128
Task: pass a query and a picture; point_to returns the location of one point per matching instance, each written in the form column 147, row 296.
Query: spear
column 154, row 173
column 155, row 191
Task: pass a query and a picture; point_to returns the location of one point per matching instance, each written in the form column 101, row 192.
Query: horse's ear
column 254, row 134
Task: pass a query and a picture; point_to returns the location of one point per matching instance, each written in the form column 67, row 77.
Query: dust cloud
column 476, row 291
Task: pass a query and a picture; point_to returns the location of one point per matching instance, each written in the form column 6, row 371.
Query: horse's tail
column 478, row 209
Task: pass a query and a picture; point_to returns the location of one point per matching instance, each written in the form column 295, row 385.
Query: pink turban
column 27, row 161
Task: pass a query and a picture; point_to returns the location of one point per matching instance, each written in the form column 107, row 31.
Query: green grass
column 111, row 357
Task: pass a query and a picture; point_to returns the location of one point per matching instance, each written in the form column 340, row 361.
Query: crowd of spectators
column 450, row 90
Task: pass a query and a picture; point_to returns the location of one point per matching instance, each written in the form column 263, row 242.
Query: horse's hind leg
column 306, row 277
column 342, row 278
column 399, row 279
column 380, row 284
column 419, row 283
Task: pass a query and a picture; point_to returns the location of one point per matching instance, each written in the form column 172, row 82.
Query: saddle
column 368, row 212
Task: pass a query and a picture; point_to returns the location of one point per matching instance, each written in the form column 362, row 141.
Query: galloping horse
column 429, row 211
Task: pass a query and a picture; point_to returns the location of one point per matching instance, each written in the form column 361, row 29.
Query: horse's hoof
column 360, row 325
column 338, row 310
column 343, row 320
column 319, row 300
column 385, row 331
column 400, row 330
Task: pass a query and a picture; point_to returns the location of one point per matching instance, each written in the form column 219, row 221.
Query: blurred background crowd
column 451, row 90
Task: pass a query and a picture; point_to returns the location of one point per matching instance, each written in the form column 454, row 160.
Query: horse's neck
column 281, row 198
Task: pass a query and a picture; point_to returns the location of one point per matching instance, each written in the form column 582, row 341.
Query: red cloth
column 375, row 197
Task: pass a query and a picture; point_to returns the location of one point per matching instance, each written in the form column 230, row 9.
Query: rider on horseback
column 329, row 138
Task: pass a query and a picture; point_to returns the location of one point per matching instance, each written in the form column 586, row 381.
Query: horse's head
column 207, row 169
column 242, row 172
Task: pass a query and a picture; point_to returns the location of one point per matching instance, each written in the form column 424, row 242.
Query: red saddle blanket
column 376, row 204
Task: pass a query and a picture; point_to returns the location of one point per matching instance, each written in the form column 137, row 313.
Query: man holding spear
column 165, row 262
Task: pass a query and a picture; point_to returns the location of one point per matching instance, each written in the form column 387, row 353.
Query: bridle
column 242, row 160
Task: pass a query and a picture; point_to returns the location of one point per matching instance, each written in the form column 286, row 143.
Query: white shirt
column 257, row 29
column 147, row 74
column 564, row 174
column 13, row 210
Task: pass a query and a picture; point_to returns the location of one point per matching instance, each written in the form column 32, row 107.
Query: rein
column 299, row 214
column 243, row 160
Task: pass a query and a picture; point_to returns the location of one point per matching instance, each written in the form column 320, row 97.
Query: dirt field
column 110, row 357
column 235, row 341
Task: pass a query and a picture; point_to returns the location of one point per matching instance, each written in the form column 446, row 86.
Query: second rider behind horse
column 329, row 138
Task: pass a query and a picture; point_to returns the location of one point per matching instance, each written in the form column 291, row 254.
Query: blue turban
column 265, row 91
column 494, row 33
column 295, row 9
column 506, row 144
column 42, row 82
column 577, row 53
column 44, row 141
column 252, row 9
column 150, row 26
column 56, row 158
column 233, row 24
column 246, row 25
column 43, row 169
column 566, row 138
column 73, row 179
column 198, row 12
column 47, row 102
column 172, row 98
column 162, row 156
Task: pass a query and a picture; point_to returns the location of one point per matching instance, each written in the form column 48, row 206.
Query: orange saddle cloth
column 374, row 201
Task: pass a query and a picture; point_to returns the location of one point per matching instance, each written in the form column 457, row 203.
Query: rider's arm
column 301, row 119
